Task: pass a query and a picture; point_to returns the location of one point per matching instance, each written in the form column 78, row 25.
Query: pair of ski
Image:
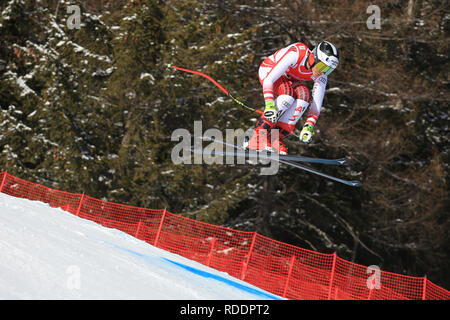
column 286, row 159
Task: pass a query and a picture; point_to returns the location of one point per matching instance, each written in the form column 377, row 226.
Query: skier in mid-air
column 287, row 97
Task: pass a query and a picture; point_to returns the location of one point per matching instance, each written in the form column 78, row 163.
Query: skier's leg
column 284, row 94
column 286, row 123
column 289, row 119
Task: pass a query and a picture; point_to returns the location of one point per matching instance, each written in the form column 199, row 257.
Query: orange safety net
column 282, row 269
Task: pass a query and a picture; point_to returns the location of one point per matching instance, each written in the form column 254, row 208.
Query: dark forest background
column 92, row 110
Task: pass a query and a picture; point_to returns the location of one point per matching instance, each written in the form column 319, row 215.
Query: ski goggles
column 322, row 67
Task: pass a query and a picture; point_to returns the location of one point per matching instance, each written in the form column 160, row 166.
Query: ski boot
column 278, row 145
column 260, row 139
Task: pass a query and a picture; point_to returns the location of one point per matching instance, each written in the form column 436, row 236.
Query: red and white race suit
column 283, row 76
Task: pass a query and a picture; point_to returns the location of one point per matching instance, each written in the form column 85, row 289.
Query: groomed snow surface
column 47, row 253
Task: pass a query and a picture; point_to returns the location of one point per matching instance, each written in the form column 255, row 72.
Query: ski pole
column 169, row 65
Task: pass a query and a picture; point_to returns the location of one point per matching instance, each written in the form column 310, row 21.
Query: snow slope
column 47, row 253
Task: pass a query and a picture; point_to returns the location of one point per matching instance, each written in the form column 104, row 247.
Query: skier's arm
column 287, row 60
column 318, row 93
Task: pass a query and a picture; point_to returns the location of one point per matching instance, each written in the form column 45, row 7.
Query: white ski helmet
column 325, row 56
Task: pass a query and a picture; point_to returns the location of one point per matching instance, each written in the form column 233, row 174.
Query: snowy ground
column 47, row 253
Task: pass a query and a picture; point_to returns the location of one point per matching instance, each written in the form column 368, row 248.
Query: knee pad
column 284, row 102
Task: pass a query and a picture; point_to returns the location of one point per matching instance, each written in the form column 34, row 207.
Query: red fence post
column 332, row 276
column 291, row 266
column 3, row 181
column 79, row 206
column 160, row 228
column 213, row 242
column 138, row 228
column 244, row 266
column 369, row 297
column 424, row 297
